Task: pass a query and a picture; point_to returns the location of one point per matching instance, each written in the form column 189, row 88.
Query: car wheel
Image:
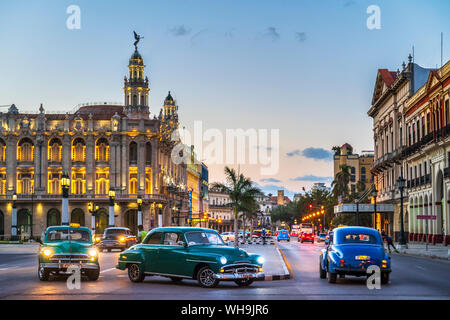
column 301, row 241
column 205, row 277
column 176, row 279
column 42, row 273
column 384, row 278
column 135, row 274
column 93, row 274
column 332, row 277
column 322, row 273
column 243, row 282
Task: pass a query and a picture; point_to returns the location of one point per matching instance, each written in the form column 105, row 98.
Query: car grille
column 240, row 268
column 69, row 258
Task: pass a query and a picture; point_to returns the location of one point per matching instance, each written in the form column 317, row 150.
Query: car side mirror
column 182, row 243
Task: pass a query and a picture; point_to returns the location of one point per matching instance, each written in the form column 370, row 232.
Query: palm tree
column 241, row 191
column 341, row 180
column 249, row 211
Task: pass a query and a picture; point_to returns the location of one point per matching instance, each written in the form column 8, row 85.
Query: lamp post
column 65, row 183
column 112, row 195
column 401, row 186
column 139, row 213
column 357, row 212
column 93, row 211
column 374, row 195
column 14, row 217
column 160, row 214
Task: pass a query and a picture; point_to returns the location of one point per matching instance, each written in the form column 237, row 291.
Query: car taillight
column 342, row 261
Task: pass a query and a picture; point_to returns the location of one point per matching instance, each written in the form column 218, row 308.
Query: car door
column 171, row 256
column 150, row 248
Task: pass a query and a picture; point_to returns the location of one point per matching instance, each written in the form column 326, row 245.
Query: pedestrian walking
column 141, row 234
column 263, row 233
column 390, row 243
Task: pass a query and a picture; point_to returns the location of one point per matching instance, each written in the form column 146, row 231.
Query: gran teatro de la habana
column 102, row 165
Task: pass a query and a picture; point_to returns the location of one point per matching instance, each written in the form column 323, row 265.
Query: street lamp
column 93, row 211
column 159, row 205
column 14, row 217
column 357, row 212
column 65, row 183
column 401, row 186
column 374, row 195
column 112, row 195
column 139, row 213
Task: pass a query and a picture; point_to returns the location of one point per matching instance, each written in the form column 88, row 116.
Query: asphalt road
column 412, row 278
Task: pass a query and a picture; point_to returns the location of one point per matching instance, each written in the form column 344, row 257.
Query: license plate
column 66, row 265
column 362, row 257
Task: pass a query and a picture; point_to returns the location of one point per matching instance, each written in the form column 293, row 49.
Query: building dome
column 136, row 55
column 169, row 99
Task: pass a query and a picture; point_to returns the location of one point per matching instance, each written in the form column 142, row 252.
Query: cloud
column 272, row 33
column 349, row 3
column 318, row 154
column 273, row 180
column 300, row 36
column 296, row 152
column 310, row 177
column 180, row 31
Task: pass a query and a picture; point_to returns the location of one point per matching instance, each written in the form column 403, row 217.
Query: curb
column 275, row 277
column 422, row 255
column 291, row 274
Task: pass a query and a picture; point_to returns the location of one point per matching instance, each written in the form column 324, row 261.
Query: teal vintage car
column 190, row 253
column 66, row 246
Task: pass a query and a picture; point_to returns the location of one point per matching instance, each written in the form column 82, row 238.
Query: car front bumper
column 111, row 244
column 65, row 266
column 239, row 276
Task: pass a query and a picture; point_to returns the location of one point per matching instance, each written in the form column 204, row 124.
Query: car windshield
column 115, row 231
column 55, row 235
column 359, row 238
column 202, row 237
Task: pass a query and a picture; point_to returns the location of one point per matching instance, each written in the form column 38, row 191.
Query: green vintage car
column 190, row 253
column 65, row 246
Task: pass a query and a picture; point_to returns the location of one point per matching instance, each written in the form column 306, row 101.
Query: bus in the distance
column 295, row 231
column 306, row 228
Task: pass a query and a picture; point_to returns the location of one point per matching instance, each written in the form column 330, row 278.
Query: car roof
column 356, row 229
column 67, row 227
column 121, row 228
column 182, row 229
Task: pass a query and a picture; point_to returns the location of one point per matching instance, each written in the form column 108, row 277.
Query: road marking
column 107, row 270
column 284, row 261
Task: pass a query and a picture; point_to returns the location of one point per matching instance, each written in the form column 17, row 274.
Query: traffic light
column 310, row 206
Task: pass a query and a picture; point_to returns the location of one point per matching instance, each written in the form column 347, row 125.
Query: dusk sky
column 305, row 67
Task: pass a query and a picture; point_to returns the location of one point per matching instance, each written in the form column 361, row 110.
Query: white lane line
column 107, row 270
column 282, row 261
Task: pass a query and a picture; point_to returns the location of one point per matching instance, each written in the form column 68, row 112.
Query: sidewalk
column 437, row 251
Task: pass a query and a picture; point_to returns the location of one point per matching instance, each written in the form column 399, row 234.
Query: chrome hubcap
column 207, row 277
column 134, row 272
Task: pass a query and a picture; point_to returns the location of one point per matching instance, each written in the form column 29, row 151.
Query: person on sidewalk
column 389, row 242
column 141, row 234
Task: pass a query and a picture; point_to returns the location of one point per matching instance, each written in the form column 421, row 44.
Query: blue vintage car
column 283, row 235
column 351, row 251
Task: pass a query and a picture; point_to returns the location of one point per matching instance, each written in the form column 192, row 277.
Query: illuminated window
column 78, row 150
column 132, row 181
column 102, row 150
column 148, row 180
column 25, row 150
column 2, row 150
column 3, row 182
column 54, row 150
column 78, row 182
column 54, row 183
column 102, row 181
column 25, row 182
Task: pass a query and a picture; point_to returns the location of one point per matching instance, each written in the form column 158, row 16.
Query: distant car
column 256, row 233
column 65, row 246
column 306, row 236
column 294, row 234
column 241, row 234
column 321, row 237
column 228, row 236
column 283, row 235
column 328, row 236
column 351, row 251
column 116, row 238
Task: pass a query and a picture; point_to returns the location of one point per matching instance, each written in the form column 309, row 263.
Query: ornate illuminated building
column 101, row 147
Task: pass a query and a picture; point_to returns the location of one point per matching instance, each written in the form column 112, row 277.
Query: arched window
column 54, row 182
column 25, row 182
column 142, row 100
column 25, row 150
column 148, row 154
column 102, row 150
column 23, row 221
column 363, row 170
column 77, row 216
column 135, row 100
column 54, row 150
column 78, row 182
column 133, row 152
column 101, row 221
column 102, row 181
column 78, row 150
column 53, row 217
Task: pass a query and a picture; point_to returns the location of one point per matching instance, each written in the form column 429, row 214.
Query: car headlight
column 93, row 252
column 122, row 239
column 223, row 260
column 260, row 260
column 47, row 252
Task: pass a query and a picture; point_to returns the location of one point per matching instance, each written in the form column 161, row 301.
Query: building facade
column 220, row 211
column 101, row 147
column 427, row 158
column 391, row 92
